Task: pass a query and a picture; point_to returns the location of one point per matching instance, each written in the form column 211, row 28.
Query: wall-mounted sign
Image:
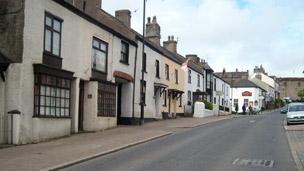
column 246, row 93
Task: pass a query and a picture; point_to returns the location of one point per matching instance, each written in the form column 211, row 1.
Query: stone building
column 290, row 86
column 233, row 77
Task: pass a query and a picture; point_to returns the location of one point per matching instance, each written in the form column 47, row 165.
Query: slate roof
column 104, row 20
column 246, row 83
column 291, row 79
column 207, row 67
column 217, row 76
column 232, row 74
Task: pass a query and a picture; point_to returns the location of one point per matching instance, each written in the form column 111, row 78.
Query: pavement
column 295, row 135
column 248, row 143
column 82, row 147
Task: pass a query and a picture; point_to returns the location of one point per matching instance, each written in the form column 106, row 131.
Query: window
column 167, row 72
column 189, row 76
column 222, row 102
column 180, row 102
column 165, row 98
column 124, row 53
column 176, row 76
column 99, row 55
column 208, row 81
column 189, row 96
column 157, row 68
column 235, row 102
column 52, row 96
column 214, row 84
column 106, row 102
column 143, row 93
column 52, row 35
column 246, row 102
column 144, row 63
column 214, row 100
column 198, row 80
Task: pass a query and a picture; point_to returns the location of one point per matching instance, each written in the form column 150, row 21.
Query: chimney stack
column 194, row 58
column 236, row 70
column 88, row 6
column 124, row 16
column 153, row 31
column 170, row 44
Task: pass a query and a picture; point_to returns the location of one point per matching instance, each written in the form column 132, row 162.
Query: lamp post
column 142, row 107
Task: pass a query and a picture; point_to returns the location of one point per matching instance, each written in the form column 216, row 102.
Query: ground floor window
column 235, row 102
column 106, row 100
column 52, row 96
column 165, row 98
column 246, row 102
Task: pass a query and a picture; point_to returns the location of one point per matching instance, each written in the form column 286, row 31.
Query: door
column 119, row 88
column 80, row 111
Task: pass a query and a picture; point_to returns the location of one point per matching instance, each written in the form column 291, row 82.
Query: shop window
column 52, row 96
column 106, row 100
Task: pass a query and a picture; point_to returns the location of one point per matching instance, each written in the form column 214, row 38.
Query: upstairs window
column 189, row 96
column 176, row 76
column 167, row 72
column 124, row 53
column 198, row 80
column 52, row 35
column 99, row 55
column 157, row 68
column 189, row 76
column 214, row 84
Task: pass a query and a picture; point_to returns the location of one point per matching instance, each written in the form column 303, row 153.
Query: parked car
column 283, row 110
column 295, row 113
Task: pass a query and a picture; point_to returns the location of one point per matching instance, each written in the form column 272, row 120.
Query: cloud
column 230, row 33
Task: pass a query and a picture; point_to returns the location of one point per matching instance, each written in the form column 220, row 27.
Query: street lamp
column 142, row 107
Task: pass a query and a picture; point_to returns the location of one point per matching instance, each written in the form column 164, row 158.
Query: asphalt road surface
column 246, row 143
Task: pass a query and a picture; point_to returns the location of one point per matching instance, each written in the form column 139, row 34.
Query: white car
column 295, row 113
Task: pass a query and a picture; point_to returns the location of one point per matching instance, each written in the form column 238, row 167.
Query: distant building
column 233, row 77
column 221, row 94
column 290, row 86
column 246, row 92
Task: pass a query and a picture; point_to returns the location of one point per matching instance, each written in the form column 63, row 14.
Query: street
column 245, row 143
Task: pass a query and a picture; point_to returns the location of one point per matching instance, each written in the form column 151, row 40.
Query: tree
column 301, row 94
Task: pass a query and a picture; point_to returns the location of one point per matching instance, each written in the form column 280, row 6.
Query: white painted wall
column 150, row 78
column 192, row 87
column 237, row 94
column 92, row 122
column 127, row 88
column 2, row 111
column 225, row 89
column 76, row 49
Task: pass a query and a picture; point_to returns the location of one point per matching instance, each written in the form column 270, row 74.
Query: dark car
column 283, row 110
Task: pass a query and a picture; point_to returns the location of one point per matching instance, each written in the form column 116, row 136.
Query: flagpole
column 142, row 107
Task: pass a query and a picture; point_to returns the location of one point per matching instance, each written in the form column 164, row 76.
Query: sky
column 229, row 34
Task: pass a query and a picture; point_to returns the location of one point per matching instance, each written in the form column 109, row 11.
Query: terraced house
column 77, row 68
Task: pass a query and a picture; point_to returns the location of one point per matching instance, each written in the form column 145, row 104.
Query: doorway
column 119, row 88
column 81, row 105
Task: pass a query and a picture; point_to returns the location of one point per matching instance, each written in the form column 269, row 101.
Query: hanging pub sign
column 246, row 93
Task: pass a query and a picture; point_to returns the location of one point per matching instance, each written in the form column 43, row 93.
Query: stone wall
column 11, row 30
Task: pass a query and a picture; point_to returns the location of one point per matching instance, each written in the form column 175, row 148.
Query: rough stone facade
column 11, row 30
column 289, row 87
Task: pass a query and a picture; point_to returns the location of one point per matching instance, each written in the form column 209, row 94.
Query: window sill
column 124, row 62
column 100, row 116
column 52, row 117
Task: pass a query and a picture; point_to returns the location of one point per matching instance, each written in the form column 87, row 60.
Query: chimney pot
column 149, row 19
column 154, row 19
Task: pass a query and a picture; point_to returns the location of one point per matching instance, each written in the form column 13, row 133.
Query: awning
column 124, row 76
column 162, row 87
column 176, row 93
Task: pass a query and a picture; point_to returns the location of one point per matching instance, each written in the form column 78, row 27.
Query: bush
column 208, row 105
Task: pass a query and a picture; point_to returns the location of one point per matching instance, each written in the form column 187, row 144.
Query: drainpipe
column 134, row 76
column 13, row 113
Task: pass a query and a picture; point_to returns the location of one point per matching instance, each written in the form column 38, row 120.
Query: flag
column 185, row 65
